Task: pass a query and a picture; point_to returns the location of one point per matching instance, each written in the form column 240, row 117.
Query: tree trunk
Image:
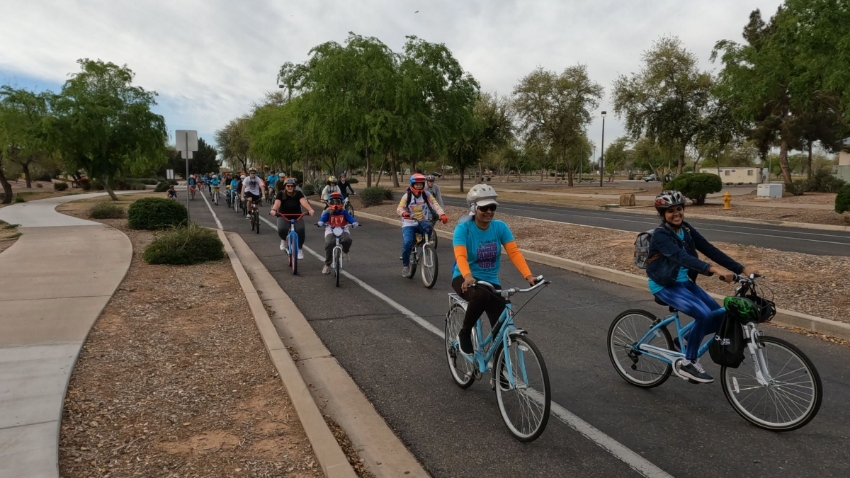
column 681, row 167
column 109, row 190
column 368, row 168
column 462, row 171
column 381, row 171
column 809, row 176
column 26, row 167
column 394, row 170
column 783, row 162
column 7, row 188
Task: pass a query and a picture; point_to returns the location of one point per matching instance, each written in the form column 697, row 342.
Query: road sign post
column 187, row 142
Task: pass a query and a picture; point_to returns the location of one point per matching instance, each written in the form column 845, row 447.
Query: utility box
column 770, row 190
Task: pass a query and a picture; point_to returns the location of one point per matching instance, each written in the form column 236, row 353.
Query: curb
column 330, row 456
column 783, row 316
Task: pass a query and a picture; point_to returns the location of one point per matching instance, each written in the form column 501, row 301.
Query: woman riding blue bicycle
column 290, row 201
column 477, row 246
column 673, row 266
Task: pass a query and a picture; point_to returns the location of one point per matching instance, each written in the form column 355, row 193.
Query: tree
column 487, row 128
column 667, row 100
column 233, row 143
column 619, row 156
column 556, row 109
column 203, row 160
column 104, row 125
column 22, row 122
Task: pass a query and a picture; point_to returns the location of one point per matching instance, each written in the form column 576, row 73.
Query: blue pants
column 694, row 302
column 408, row 233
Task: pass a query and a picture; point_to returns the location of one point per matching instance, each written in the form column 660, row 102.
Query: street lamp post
column 602, row 152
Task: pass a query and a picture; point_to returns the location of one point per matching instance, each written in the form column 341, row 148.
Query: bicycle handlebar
column 291, row 217
column 540, row 282
column 744, row 279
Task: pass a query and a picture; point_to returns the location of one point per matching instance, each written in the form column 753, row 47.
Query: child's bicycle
column 423, row 252
column 776, row 387
column 522, row 386
column 292, row 239
column 336, row 255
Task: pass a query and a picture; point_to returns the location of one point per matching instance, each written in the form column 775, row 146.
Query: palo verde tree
column 556, row 109
column 104, row 125
column 667, row 100
column 23, row 121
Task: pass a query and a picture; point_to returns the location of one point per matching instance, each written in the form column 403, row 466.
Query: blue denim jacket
column 667, row 254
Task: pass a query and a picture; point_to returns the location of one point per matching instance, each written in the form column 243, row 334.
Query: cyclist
column 252, row 187
column 214, row 184
column 336, row 216
column 328, row 190
column 432, row 188
column 344, row 187
column 477, row 245
column 418, row 210
column 271, row 183
column 192, row 184
column 673, row 266
column 290, row 201
column 172, row 194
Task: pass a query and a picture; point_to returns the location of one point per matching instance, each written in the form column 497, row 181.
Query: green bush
column 156, row 213
column 106, row 210
column 85, row 185
column 842, row 201
column 185, row 246
column 161, row 187
column 313, row 186
column 19, row 198
column 150, row 181
column 798, row 187
column 388, row 194
column 299, row 176
column 696, row 186
column 352, row 180
column 60, row 186
column 374, row 196
column 96, row 185
column 824, row 182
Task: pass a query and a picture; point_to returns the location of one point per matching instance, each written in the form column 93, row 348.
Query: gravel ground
column 174, row 380
column 8, row 235
column 814, row 285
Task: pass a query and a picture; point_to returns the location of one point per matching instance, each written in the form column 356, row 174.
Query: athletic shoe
column 464, row 340
column 326, row 270
column 695, row 372
column 346, row 257
column 283, row 246
column 405, row 271
column 300, row 254
column 247, row 216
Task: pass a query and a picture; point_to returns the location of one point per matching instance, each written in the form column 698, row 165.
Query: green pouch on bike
column 742, row 309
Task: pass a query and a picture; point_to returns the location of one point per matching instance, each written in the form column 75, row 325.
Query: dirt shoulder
column 174, row 380
column 804, row 283
column 8, row 235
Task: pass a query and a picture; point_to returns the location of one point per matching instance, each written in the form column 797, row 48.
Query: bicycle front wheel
column 461, row 367
column 430, row 266
column 636, row 368
column 787, row 399
column 337, row 263
column 257, row 220
column 526, row 402
column 293, row 254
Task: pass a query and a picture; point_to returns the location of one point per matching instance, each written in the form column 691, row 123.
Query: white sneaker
column 326, row 270
column 300, row 254
column 346, row 257
column 283, row 246
column 247, row 216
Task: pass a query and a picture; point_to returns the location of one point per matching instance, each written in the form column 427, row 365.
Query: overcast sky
column 210, row 60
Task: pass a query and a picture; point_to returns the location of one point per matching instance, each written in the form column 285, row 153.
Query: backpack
column 727, row 346
column 642, row 248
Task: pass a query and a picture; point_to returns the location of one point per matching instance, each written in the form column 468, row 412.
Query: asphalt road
column 808, row 241
column 678, row 428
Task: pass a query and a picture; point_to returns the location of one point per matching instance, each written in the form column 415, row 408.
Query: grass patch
column 106, row 210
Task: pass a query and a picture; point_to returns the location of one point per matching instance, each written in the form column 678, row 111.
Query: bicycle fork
column 751, row 335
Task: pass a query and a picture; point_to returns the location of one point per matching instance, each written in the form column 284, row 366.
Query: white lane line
column 217, row 222
column 612, row 446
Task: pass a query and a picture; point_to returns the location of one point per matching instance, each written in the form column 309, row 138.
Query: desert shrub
column 842, row 200
column 373, row 196
column 156, row 213
column 798, row 187
column 19, row 198
column 161, row 187
column 60, row 186
column 185, row 246
column 298, row 175
column 824, row 182
column 696, row 186
column 313, row 186
column 352, row 180
column 96, row 184
column 388, row 194
column 45, row 177
column 85, row 184
column 106, row 210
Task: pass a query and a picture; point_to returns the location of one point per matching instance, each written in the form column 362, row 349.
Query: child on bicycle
column 336, row 216
column 418, row 210
column 172, row 194
column 673, row 266
column 477, row 246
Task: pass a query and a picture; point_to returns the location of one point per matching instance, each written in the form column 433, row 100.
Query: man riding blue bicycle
column 673, row 266
column 418, row 209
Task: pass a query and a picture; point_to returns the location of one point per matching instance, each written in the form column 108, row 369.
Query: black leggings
column 479, row 300
column 283, row 230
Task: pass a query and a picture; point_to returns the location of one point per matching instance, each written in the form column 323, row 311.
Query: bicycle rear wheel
column 256, row 215
column 414, row 261
column 636, row 368
column 790, row 399
column 336, row 264
column 461, row 367
column 526, row 403
column 430, row 266
column 293, row 253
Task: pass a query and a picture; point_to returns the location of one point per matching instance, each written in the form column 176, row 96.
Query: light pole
column 602, row 152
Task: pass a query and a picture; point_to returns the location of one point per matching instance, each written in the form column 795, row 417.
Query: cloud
column 210, row 60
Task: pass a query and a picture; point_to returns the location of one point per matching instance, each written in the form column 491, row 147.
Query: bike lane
column 459, row 433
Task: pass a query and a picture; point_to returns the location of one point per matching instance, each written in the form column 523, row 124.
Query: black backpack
column 727, row 346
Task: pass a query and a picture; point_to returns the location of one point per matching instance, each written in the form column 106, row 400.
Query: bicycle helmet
column 667, row 199
column 481, row 195
column 331, row 180
column 289, row 181
column 252, row 171
column 430, row 178
column 335, row 202
column 417, row 178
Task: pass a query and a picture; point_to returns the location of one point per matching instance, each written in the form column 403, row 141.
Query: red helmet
column 335, row 202
column 417, row 178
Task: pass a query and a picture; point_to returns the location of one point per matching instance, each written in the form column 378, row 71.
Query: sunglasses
column 489, row 207
column 289, row 186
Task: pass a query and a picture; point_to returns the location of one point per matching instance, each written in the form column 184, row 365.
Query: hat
column 485, row 202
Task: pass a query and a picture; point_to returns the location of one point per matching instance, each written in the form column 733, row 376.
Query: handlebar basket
column 750, row 308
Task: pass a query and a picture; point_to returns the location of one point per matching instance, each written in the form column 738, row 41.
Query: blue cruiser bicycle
column 522, row 387
column 776, row 387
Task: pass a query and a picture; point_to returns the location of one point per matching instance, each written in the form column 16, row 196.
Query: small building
column 844, row 163
column 736, row 175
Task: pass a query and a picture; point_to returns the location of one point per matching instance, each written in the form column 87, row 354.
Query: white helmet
column 482, row 195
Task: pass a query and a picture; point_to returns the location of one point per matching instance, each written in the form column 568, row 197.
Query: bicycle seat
column 661, row 302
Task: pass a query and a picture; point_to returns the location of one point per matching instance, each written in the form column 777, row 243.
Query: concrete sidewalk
column 55, row 281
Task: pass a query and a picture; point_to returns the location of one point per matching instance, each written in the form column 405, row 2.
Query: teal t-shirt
column 681, row 277
column 483, row 248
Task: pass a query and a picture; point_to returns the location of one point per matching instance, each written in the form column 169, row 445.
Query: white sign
column 186, row 139
column 183, row 153
column 169, row 174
